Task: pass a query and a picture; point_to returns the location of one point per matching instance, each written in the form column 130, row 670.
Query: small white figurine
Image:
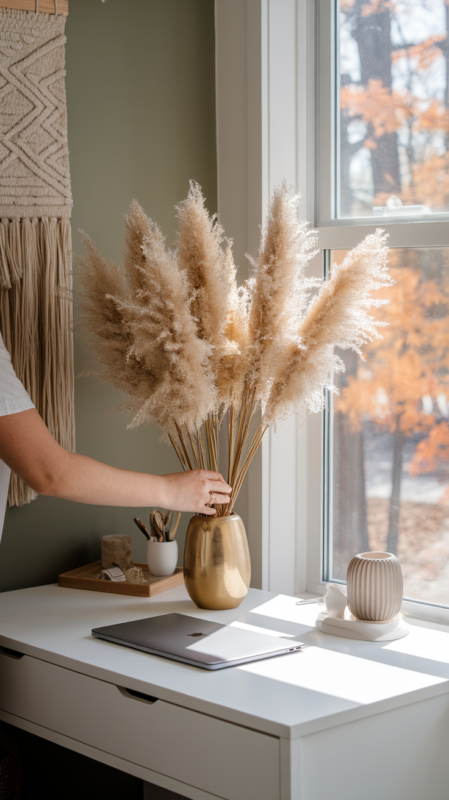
column 335, row 600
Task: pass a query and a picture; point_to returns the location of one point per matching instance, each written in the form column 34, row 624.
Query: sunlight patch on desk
column 430, row 644
column 284, row 607
column 342, row 675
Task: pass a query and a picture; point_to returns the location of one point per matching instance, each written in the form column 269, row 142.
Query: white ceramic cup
column 162, row 557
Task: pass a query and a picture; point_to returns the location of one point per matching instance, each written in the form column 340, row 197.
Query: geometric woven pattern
column 34, row 163
column 35, row 206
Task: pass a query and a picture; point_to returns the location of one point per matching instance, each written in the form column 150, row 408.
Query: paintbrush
column 157, row 522
column 173, row 532
column 142, row 527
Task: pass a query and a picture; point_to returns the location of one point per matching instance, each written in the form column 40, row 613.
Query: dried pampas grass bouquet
column 194, row 351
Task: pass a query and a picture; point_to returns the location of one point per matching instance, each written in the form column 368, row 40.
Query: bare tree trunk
column 395, row 499
column 373, row 36
column 350, row 530
column 347, row 151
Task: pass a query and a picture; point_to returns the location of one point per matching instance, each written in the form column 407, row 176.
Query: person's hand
column 194, row 490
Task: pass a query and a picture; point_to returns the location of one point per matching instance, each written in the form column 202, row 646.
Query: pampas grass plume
column 144, row 334
column 175, row 332
column 337, row 317
column 205, row 256
column 279, row 288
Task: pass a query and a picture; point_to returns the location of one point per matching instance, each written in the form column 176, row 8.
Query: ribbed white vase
column 375, row 586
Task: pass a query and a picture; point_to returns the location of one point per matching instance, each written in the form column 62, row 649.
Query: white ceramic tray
column 352, row 628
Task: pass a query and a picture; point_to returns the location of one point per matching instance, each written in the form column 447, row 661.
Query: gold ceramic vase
column 217, row 567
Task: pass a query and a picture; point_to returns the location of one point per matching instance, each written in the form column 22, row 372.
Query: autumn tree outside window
column 382, row 159
column 393, row 106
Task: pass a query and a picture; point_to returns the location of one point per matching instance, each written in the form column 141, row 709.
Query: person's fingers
column 218, row 488
column 217, row 477
column 208, row 511
column 213, row 476
column 223, row 485
column 219, row 498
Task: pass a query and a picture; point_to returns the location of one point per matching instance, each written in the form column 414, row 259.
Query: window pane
column 393, row 68
column 390, row 444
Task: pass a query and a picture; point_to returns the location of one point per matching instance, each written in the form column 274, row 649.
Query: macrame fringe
column 35, row 299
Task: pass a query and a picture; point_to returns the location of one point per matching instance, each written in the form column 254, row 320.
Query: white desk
column 342, row 719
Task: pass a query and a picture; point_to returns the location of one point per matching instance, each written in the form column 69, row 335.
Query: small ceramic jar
column 162, row 557
column 375, row 586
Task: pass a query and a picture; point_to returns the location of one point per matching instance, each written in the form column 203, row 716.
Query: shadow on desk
column 51, row 772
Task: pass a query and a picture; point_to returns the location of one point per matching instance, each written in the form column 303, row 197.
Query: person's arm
column 28, row 447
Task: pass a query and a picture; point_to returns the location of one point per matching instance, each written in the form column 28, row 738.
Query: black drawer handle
column 6, row 651
column 144, row 698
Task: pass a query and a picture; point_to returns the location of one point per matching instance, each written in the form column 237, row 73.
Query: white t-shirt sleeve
column 13, row 397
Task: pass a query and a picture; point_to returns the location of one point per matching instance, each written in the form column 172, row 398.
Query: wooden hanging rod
column 45, row 6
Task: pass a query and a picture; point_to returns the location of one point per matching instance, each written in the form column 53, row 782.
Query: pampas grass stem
column 195, row 454
column 183, row 446
column 178, row 452
column 230, row 440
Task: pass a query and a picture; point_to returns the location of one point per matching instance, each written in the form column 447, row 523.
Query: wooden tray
column 88, row 577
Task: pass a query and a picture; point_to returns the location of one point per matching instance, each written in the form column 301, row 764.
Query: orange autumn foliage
column 423, row 54
column 376, row 104
column 387, row 111
column 420, row 120
column 370, row 7
column 429, row 187
column 410, row 363
column 430, row 453
column 430, row 182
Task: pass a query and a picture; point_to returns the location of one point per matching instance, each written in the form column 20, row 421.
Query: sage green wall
column 141, row 107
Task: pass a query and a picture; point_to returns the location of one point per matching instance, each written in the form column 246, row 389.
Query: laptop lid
column 202, row 643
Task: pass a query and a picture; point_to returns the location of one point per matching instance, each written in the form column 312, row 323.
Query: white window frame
column 262, row 138
column 274, row 65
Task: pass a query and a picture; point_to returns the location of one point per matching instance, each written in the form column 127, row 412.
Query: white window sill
column 425, row 612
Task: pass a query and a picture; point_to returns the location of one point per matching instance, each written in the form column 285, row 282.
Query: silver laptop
column 199, row 642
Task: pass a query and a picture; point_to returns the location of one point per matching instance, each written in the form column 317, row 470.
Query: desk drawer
column 221, row 758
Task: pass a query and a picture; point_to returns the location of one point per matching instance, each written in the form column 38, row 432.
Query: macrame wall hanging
column 35, row 207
